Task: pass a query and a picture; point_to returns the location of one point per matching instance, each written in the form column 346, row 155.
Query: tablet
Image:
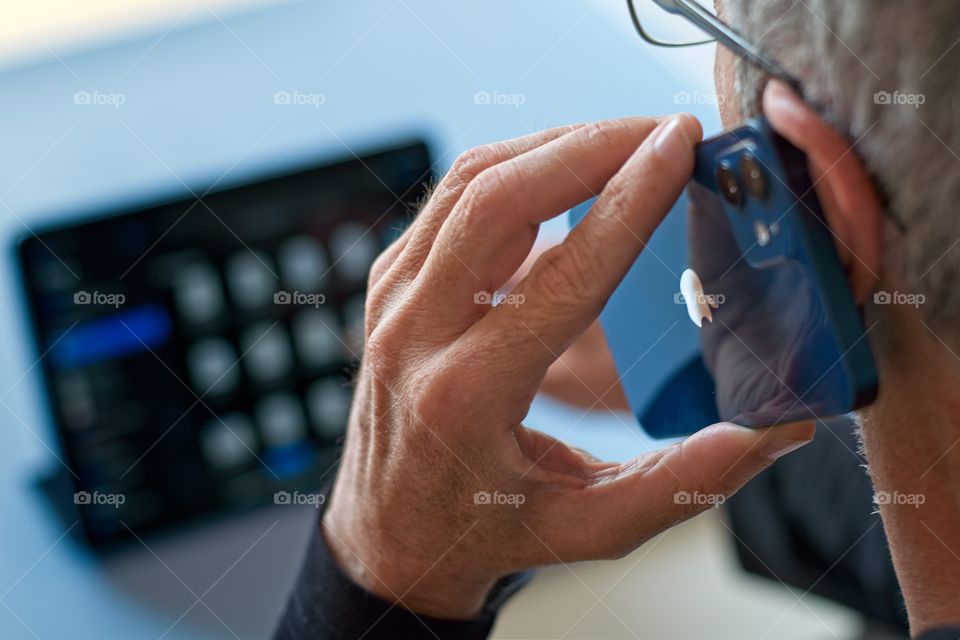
column 197, row 353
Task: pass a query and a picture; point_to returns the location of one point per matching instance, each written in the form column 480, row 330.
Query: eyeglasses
column 705, row 22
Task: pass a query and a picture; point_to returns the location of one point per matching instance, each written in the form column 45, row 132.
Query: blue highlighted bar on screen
column 105, row 338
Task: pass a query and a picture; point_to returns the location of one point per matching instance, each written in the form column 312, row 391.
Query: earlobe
column 849, row 199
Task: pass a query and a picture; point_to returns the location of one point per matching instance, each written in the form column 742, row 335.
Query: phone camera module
column 754, row 180
column 729, row 185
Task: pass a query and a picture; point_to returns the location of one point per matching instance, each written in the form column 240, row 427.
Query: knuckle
column 374, row 307
column 378, row 269
column 431, row 401
column 605, row 133
column 470, row 164
column 378, row 300
column 724, row 485
column 697, row 493
column 617, row 194
column 703, row 489
column 486, row 190
column 382, row 352
column 562, row 275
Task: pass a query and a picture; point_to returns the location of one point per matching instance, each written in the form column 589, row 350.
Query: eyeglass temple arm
column 713, row 26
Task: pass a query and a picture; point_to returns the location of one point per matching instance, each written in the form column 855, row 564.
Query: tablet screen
column 198, row 353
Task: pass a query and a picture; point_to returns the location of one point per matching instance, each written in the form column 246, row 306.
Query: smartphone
column 769, row 331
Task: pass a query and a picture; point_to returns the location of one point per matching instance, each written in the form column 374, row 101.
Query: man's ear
column 849, row 199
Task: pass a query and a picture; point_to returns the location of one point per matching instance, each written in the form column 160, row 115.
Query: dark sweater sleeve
column 327, row 605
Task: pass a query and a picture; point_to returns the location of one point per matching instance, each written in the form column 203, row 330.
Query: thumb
column 637, row 500
column 722, row 458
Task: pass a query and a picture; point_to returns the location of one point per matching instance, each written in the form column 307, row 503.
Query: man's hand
column 441, row 490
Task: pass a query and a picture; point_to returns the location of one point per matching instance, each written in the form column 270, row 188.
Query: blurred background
column 187, row 185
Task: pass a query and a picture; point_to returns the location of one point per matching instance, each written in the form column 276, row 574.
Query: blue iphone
column 763, row 329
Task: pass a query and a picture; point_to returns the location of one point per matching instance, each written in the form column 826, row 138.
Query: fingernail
column 778, row 447
column 779, row 95
column 781, row 89
column 670, row 141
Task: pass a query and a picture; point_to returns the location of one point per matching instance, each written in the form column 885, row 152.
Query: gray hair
column 886, row 72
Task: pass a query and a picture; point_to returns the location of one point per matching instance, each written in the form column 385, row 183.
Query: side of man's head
column 884, row 71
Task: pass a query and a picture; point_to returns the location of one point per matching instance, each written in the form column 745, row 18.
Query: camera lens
column 729, row 187
column 753, row 177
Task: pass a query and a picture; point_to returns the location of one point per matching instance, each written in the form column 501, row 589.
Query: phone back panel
column 782, row 341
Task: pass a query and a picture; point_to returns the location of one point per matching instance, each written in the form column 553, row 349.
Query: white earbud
column 698, row 303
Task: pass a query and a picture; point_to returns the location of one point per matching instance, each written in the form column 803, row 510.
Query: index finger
column 492, row 228
column 568, row 285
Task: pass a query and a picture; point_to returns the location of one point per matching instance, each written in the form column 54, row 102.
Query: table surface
column 197, row 83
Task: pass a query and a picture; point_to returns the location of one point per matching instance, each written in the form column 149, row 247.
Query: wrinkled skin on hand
column 442, row 490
